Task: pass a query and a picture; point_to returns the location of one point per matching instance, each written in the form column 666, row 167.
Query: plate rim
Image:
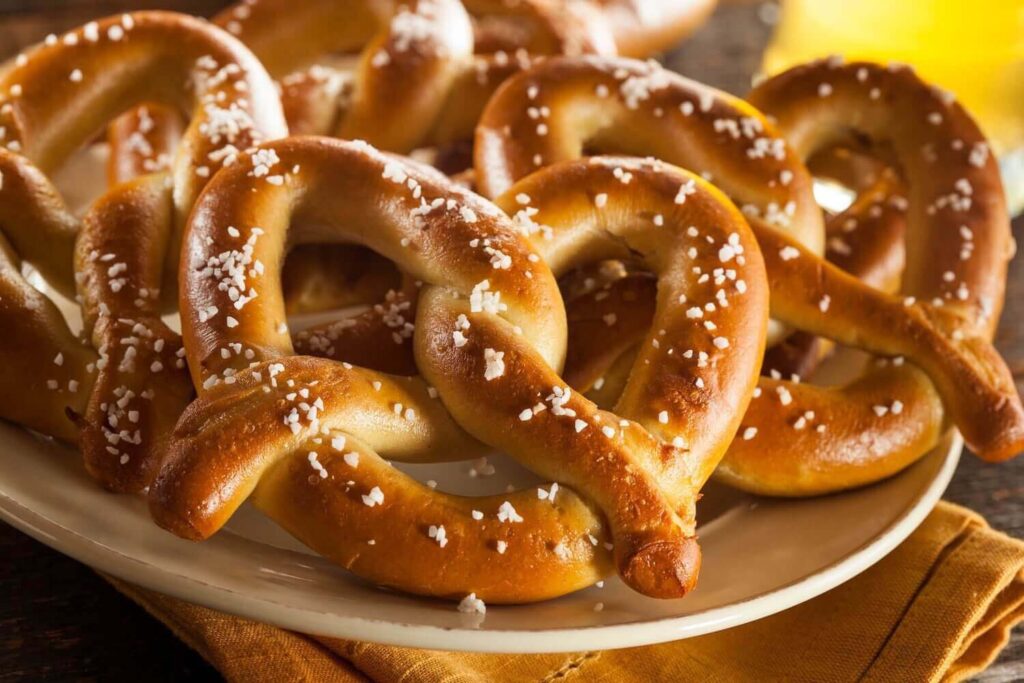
column 146, row 574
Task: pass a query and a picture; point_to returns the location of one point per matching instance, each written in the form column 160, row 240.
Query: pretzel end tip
column 997, row 434
column 1007, row 446
column 130, row 475
column 183, row 526
column 663, row 569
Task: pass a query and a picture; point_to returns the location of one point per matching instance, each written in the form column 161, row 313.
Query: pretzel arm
column 387, row 543
column 867, row 241
column 379, row 338
column 48, row 372
column 36, row 222
column 321, row 277
column 315, row 99
column 53, row 374
column 289, row 36
column 541, row 27
column 141, row 385
column 605, row 325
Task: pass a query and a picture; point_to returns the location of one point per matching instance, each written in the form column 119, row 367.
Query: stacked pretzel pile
column 613, row 274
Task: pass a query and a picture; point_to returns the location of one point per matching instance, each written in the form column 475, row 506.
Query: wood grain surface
column 60, row 622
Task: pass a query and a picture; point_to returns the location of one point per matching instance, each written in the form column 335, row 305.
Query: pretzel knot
column 800, row 439
column 490, row 332
column 127, row 390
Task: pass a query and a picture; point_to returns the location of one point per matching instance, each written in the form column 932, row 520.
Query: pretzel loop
column 954, row 189
column 565, row 106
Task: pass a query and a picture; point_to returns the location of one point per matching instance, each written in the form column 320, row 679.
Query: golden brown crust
column 540, row 27
column 379, row 338
column 37, row 224
column 828, row 439
column 644, row 27
column 141, row 384
column 448, row 96
column 388, row 543
column 698, row 358
column 412, row 55
column 469, row 343
column 430, row 69
column 944, row 159
column 48, row 372
column 633, row 28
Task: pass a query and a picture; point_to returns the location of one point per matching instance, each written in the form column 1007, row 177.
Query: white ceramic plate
column 760, row 556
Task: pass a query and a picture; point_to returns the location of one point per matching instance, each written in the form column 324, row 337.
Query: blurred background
column 60, row 621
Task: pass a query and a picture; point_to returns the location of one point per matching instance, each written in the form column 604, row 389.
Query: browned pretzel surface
column 490, row 322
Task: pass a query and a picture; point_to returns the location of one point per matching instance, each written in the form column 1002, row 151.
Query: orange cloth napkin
column 939, row 608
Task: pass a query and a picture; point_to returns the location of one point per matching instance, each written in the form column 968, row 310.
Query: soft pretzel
column 807, row 292
column 56, row 96
column 645, row 27
column 490, row 320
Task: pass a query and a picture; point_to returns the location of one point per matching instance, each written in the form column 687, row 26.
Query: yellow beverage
column 973, row 48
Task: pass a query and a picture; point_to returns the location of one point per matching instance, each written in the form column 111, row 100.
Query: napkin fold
column 938, row 608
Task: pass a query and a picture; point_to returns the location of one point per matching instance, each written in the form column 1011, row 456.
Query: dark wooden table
column 59, row 621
